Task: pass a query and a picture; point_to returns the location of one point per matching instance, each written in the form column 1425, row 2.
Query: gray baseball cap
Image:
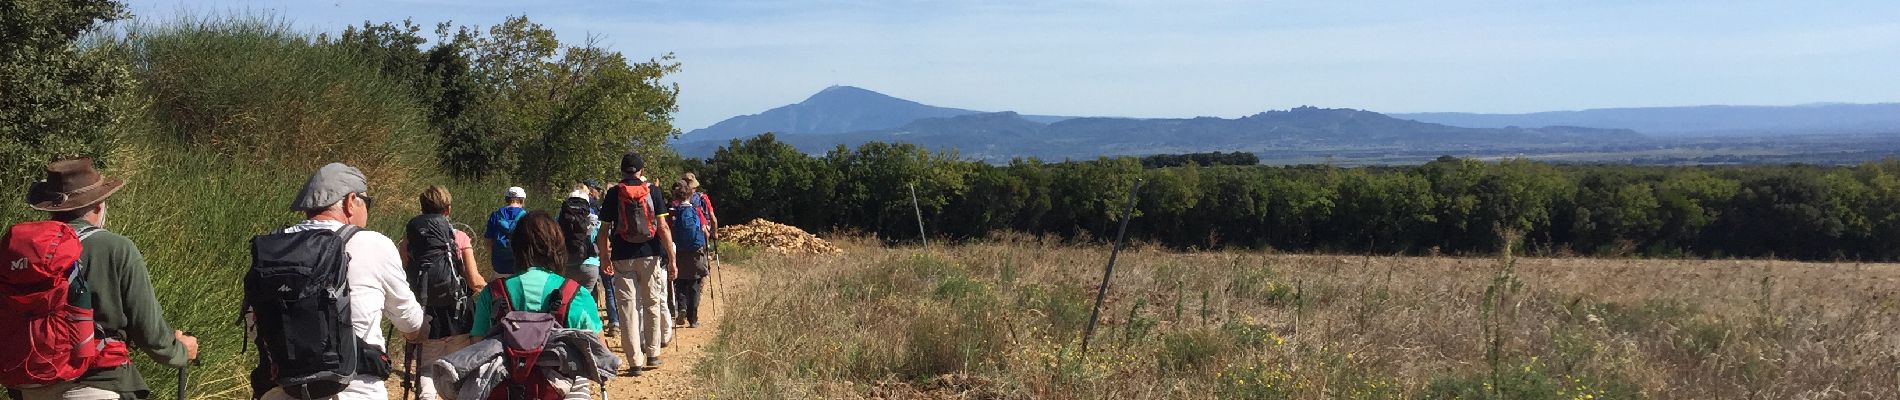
column 328, row 186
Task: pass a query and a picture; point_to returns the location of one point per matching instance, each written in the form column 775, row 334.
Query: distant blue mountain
column 836, row 109
column 1830, row 118
column 1005, row 135
column 849, row 116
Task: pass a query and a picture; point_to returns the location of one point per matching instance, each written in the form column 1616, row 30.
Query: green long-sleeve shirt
column 123, row 304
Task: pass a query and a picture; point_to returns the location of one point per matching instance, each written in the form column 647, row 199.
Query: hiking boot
column 632, row 372
column 693, row 325
column 653, row 362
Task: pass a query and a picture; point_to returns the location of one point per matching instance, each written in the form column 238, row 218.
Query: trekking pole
column 181, row 371
column 1102, row 293
column 412, row 386
column 409, row 377
column 920, row 217
column 719, row 279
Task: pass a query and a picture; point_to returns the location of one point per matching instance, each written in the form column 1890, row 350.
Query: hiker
column 535, row 303
column 441, row 268
column 501, row 226
column 593, row 190
column 579, row 228
column 689, row 242
column 607, row 278
column 704, row 204
column 636, row 238
column 299, row 307
column 115, row 288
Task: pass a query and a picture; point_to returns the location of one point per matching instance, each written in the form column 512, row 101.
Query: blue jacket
column 501, row 226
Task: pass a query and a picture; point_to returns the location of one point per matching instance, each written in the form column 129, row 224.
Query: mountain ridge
column 1005, row 135
column 847, row 115
column 1706, row 120
column 835, row 109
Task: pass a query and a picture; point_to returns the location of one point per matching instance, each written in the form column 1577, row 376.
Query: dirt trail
column 674, row 379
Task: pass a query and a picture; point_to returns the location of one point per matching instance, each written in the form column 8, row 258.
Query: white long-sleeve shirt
column 378, row 288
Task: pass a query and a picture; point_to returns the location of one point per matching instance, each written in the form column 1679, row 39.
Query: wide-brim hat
column 71, row 185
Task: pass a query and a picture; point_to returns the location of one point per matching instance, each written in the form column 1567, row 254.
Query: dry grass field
column 1005, row 320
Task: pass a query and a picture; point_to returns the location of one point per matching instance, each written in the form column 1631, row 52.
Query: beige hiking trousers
column 641, row 291
column 68, row 391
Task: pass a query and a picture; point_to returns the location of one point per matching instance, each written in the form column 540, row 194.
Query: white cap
column 515, row 192
column 579, row 194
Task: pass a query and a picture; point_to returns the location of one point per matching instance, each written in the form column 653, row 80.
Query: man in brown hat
column 122, row 298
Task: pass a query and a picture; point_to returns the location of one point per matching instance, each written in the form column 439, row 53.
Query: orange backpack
column 638, row 222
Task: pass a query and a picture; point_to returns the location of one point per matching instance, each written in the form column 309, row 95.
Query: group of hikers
column 75, row 298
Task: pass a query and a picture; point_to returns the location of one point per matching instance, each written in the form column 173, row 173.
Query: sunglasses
column 366, row 199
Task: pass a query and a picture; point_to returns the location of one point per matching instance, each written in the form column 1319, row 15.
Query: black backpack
column 435, row 265
column 434, row 271
column 298, row 290
column 576, row 222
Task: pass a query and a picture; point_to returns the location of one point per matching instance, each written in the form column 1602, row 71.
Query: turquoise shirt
column 528, row 292
column 593, row 235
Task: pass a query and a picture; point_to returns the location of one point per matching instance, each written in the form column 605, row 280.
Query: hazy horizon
column 1204, row 58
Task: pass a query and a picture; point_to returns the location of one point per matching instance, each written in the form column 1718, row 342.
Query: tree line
column 514, row 101
column 507, row 102
column 1200, row 159
column 1450, row 205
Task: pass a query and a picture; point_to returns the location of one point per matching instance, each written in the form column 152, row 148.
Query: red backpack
column 524, row 334
column 638, row 220
column 46, row 309
column 705, row 208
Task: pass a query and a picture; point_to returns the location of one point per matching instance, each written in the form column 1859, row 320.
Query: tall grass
column 998, row 320
column 253, row 90
column 235, row 114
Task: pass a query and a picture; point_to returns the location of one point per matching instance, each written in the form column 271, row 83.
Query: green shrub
column 1252, row 336
column 1191, row 350
column 61, row 95
column 731, row 253
column 1066, row 308
column 1256, row 283
column 1529, row 380
column 960, row 288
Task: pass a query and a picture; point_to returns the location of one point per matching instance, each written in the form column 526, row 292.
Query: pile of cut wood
column 776, row 237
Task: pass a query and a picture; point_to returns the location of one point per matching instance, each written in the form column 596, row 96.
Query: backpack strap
column 499, row 294
column 559, row 300
column 79, row 269
column 562, row 299
column 346, row 232
column 86, row 233
column 344, row 235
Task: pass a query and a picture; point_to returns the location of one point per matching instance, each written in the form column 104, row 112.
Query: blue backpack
column 501, row 224
column 688, row 231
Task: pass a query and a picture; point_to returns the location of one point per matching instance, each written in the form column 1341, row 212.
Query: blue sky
column 1204, row 58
